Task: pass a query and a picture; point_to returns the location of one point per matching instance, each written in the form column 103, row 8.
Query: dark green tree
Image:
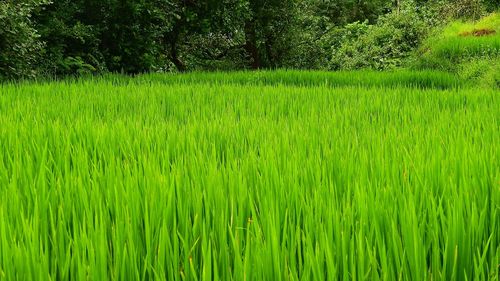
column 269, row 31
column 92, row 35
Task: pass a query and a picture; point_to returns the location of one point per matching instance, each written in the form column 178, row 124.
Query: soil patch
column 479, row 32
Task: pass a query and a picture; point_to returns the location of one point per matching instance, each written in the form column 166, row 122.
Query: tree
column 19, row 40
column 233, row 33
column 269, row 31
column 95, row 35
column 203, row 21
column 71, row 34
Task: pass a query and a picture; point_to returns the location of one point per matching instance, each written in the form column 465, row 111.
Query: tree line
column 72, row 37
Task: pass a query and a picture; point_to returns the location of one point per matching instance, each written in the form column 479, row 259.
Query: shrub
column 385, row 45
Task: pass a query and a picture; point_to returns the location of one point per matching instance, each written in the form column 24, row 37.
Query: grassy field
column 263, row 176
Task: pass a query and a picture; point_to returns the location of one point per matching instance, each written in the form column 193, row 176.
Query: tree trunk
column 251, row 46
column 174, row 57
column 271, row 59
column 174, row 52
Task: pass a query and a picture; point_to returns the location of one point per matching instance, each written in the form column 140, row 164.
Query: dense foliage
column 19, row 40
column 55, row 38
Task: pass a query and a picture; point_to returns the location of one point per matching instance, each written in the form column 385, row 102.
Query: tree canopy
column 68, row 37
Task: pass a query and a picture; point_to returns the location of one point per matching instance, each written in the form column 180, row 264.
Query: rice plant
column 164, row 178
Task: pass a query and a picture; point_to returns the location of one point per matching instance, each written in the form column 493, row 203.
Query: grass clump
column 115, row 179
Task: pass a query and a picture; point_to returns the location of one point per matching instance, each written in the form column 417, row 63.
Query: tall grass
column 127, row 180
column 420, row 79
column 459, row 47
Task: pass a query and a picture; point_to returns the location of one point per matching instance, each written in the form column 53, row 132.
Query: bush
column 385, row 45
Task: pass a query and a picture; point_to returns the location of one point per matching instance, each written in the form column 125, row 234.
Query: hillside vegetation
column 471, row 50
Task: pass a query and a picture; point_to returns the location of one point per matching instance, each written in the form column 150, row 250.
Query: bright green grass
column 419, row 79
column 449, row 44
column 367, row 78
column 491, row 21
column 119, row 179
column 475, row 60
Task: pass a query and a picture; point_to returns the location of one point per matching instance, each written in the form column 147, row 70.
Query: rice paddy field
column 265, row 176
